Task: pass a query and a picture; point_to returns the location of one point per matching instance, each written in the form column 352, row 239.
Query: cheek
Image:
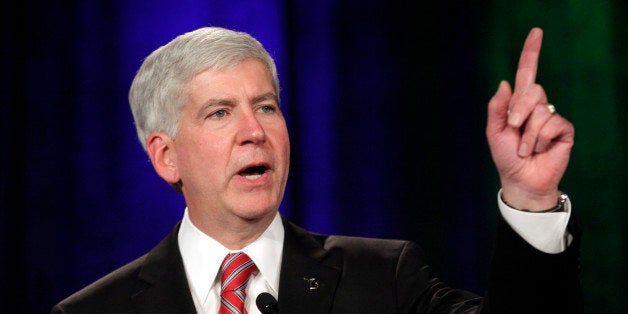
column 199, row 156
column 285, row 152
column 286, row 144
column 210, row 154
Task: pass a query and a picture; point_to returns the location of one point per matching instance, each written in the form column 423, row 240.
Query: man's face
column 232, row 148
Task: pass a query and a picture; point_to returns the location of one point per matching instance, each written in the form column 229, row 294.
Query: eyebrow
column 264, row 97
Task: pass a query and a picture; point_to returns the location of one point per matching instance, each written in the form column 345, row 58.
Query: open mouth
column 255, row 172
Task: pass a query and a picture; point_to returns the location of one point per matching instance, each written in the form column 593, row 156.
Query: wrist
column 542, row 203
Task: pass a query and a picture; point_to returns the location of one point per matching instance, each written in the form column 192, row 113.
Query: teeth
column 253, row 176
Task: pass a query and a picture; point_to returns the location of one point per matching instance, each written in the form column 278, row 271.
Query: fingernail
column 538, row 148
column 523, row 150
column 514, row 119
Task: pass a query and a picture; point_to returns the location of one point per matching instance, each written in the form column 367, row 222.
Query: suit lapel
column 163, row 269
column 309, row 273
column 307, row 284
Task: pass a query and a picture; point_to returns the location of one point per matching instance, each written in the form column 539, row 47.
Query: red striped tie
column 236, row 269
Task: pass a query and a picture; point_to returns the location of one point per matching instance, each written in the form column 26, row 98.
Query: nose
column 250, row 130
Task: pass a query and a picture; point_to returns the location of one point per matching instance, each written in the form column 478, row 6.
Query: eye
column 219, row 113
column 267, row 108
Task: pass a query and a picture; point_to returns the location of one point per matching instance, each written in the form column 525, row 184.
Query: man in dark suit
column 206, row 108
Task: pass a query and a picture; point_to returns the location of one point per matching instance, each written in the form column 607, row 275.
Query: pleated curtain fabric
column 236, row 270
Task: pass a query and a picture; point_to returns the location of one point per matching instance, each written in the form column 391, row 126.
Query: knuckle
column 538, row 89
column 545, row 135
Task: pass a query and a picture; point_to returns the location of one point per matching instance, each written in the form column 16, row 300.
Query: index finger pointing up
column 529, row 60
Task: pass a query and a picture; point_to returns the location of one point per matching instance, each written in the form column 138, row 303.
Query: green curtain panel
column 583, row 69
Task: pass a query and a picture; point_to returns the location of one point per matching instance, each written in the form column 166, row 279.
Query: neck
column 234, row 233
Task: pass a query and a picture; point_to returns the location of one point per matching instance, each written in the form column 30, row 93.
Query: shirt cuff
column 546, row 232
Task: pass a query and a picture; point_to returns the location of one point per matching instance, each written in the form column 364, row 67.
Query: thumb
column 498, row 109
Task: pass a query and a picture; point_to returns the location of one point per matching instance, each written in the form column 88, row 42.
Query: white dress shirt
column 203, row 255
column 547, row 232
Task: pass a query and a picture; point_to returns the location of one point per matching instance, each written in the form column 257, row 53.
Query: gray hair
column 156, row 95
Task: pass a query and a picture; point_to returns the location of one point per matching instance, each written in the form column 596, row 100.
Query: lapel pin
column 312, row 283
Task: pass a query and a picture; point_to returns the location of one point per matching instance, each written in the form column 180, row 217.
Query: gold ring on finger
column 551, row 108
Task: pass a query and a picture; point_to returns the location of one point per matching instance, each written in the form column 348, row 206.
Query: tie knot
column 236, row 269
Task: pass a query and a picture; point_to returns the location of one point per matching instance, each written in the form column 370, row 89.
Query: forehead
column 247, row 81
column 244, row 72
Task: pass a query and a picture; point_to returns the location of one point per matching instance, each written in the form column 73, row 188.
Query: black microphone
column 266, row 303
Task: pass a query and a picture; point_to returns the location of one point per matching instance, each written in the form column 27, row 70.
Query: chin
column 253, row 213
column 256, row 205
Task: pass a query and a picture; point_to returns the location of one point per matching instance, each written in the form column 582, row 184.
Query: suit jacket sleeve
column 523, row 279
column 361, row 275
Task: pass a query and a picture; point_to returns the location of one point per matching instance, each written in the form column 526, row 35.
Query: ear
column 162, row 155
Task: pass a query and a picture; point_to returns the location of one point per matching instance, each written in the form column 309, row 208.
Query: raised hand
column 530, row 143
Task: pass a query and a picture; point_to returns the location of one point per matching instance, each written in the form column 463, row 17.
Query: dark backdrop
column 386, row 105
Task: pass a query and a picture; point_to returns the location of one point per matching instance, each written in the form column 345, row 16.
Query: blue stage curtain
column 385, row 102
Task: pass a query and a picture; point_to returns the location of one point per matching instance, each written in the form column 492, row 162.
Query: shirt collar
column 202, row 255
